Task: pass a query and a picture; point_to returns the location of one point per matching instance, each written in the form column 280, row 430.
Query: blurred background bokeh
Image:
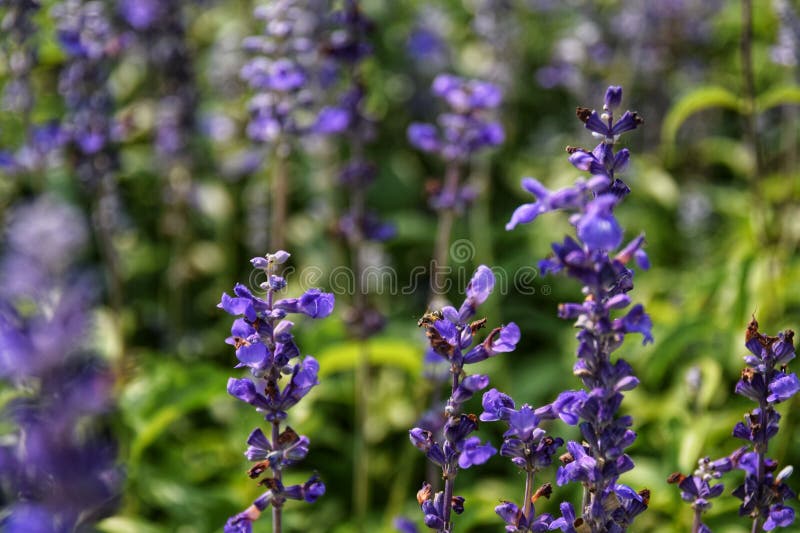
column 168, row 218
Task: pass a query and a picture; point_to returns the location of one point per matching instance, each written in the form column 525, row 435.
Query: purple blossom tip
column 480, row 286
column 613, row 97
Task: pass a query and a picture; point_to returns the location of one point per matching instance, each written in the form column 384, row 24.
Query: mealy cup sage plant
column 766, row 381
column 265, row 345
column 452, row 336
column 596, row 260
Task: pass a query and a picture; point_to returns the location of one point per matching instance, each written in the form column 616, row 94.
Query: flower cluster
column 279, row 72
column 160, row 28
column 530, row 449
column 18, row 26
column 58, row 470
column 600, row 459
column 452, row 337
column 464, row 129
column 698, row 488
column 264, row 343
column 17, row 23
column 766, row 381
column 346, row 48
column 90, row 41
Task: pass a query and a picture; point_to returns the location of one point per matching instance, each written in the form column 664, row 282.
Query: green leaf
column 124, row 524
column 383, row 351
column 693, row 102
column 785, row 94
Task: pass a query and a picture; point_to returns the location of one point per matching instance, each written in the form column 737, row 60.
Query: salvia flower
column 452, row 337
column 90, row 41
column 58, row 472
column 19, row 32
column 280, row 72
column 21, row 48
column 766, row 381
column 160, row 29
column 701, row 487
column 596, row 260
column 345, row 49
column 530, row 449
column 264, row 344
column 465, row 128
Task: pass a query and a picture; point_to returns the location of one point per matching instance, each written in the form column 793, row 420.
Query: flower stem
column 526, row 505
column 449, row 481
column 276, row 511
column 697, row 521
column 360, row 448
column 280, row 182
column 445, row 229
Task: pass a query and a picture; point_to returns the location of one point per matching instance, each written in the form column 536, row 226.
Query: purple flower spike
column 465, row 129
column 602, row 323
column 265, row 344
column 454, row 338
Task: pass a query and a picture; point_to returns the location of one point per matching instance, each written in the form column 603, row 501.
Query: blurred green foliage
column 722, row 231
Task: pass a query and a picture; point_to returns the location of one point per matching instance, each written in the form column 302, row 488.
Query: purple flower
column 332, row 120
column 496, row 406
column 466, row 128
column 766, row 382
column 474, row 453
column 453, row 338
column 598, row 228
column 140, row 14
column 314, row 303
column 598, row 464
column 782, row 388
column 779, row 516
column 264, row 343
column 88, row 37
column 46, row 305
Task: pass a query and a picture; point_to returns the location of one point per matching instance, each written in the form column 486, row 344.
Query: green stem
column 277, row 517
column 441, row 248
column 280, row 185
column 526, row 505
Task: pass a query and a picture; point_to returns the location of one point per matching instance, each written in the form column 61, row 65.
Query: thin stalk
column 697, row 520
column 362, row 379
column 526, row 507
column 104, row 234
column 750, row 115
column 449, row 481
column 276, row 511
column 761, row 451
column 280, row 193
column 447, row 216
column 360, row 458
